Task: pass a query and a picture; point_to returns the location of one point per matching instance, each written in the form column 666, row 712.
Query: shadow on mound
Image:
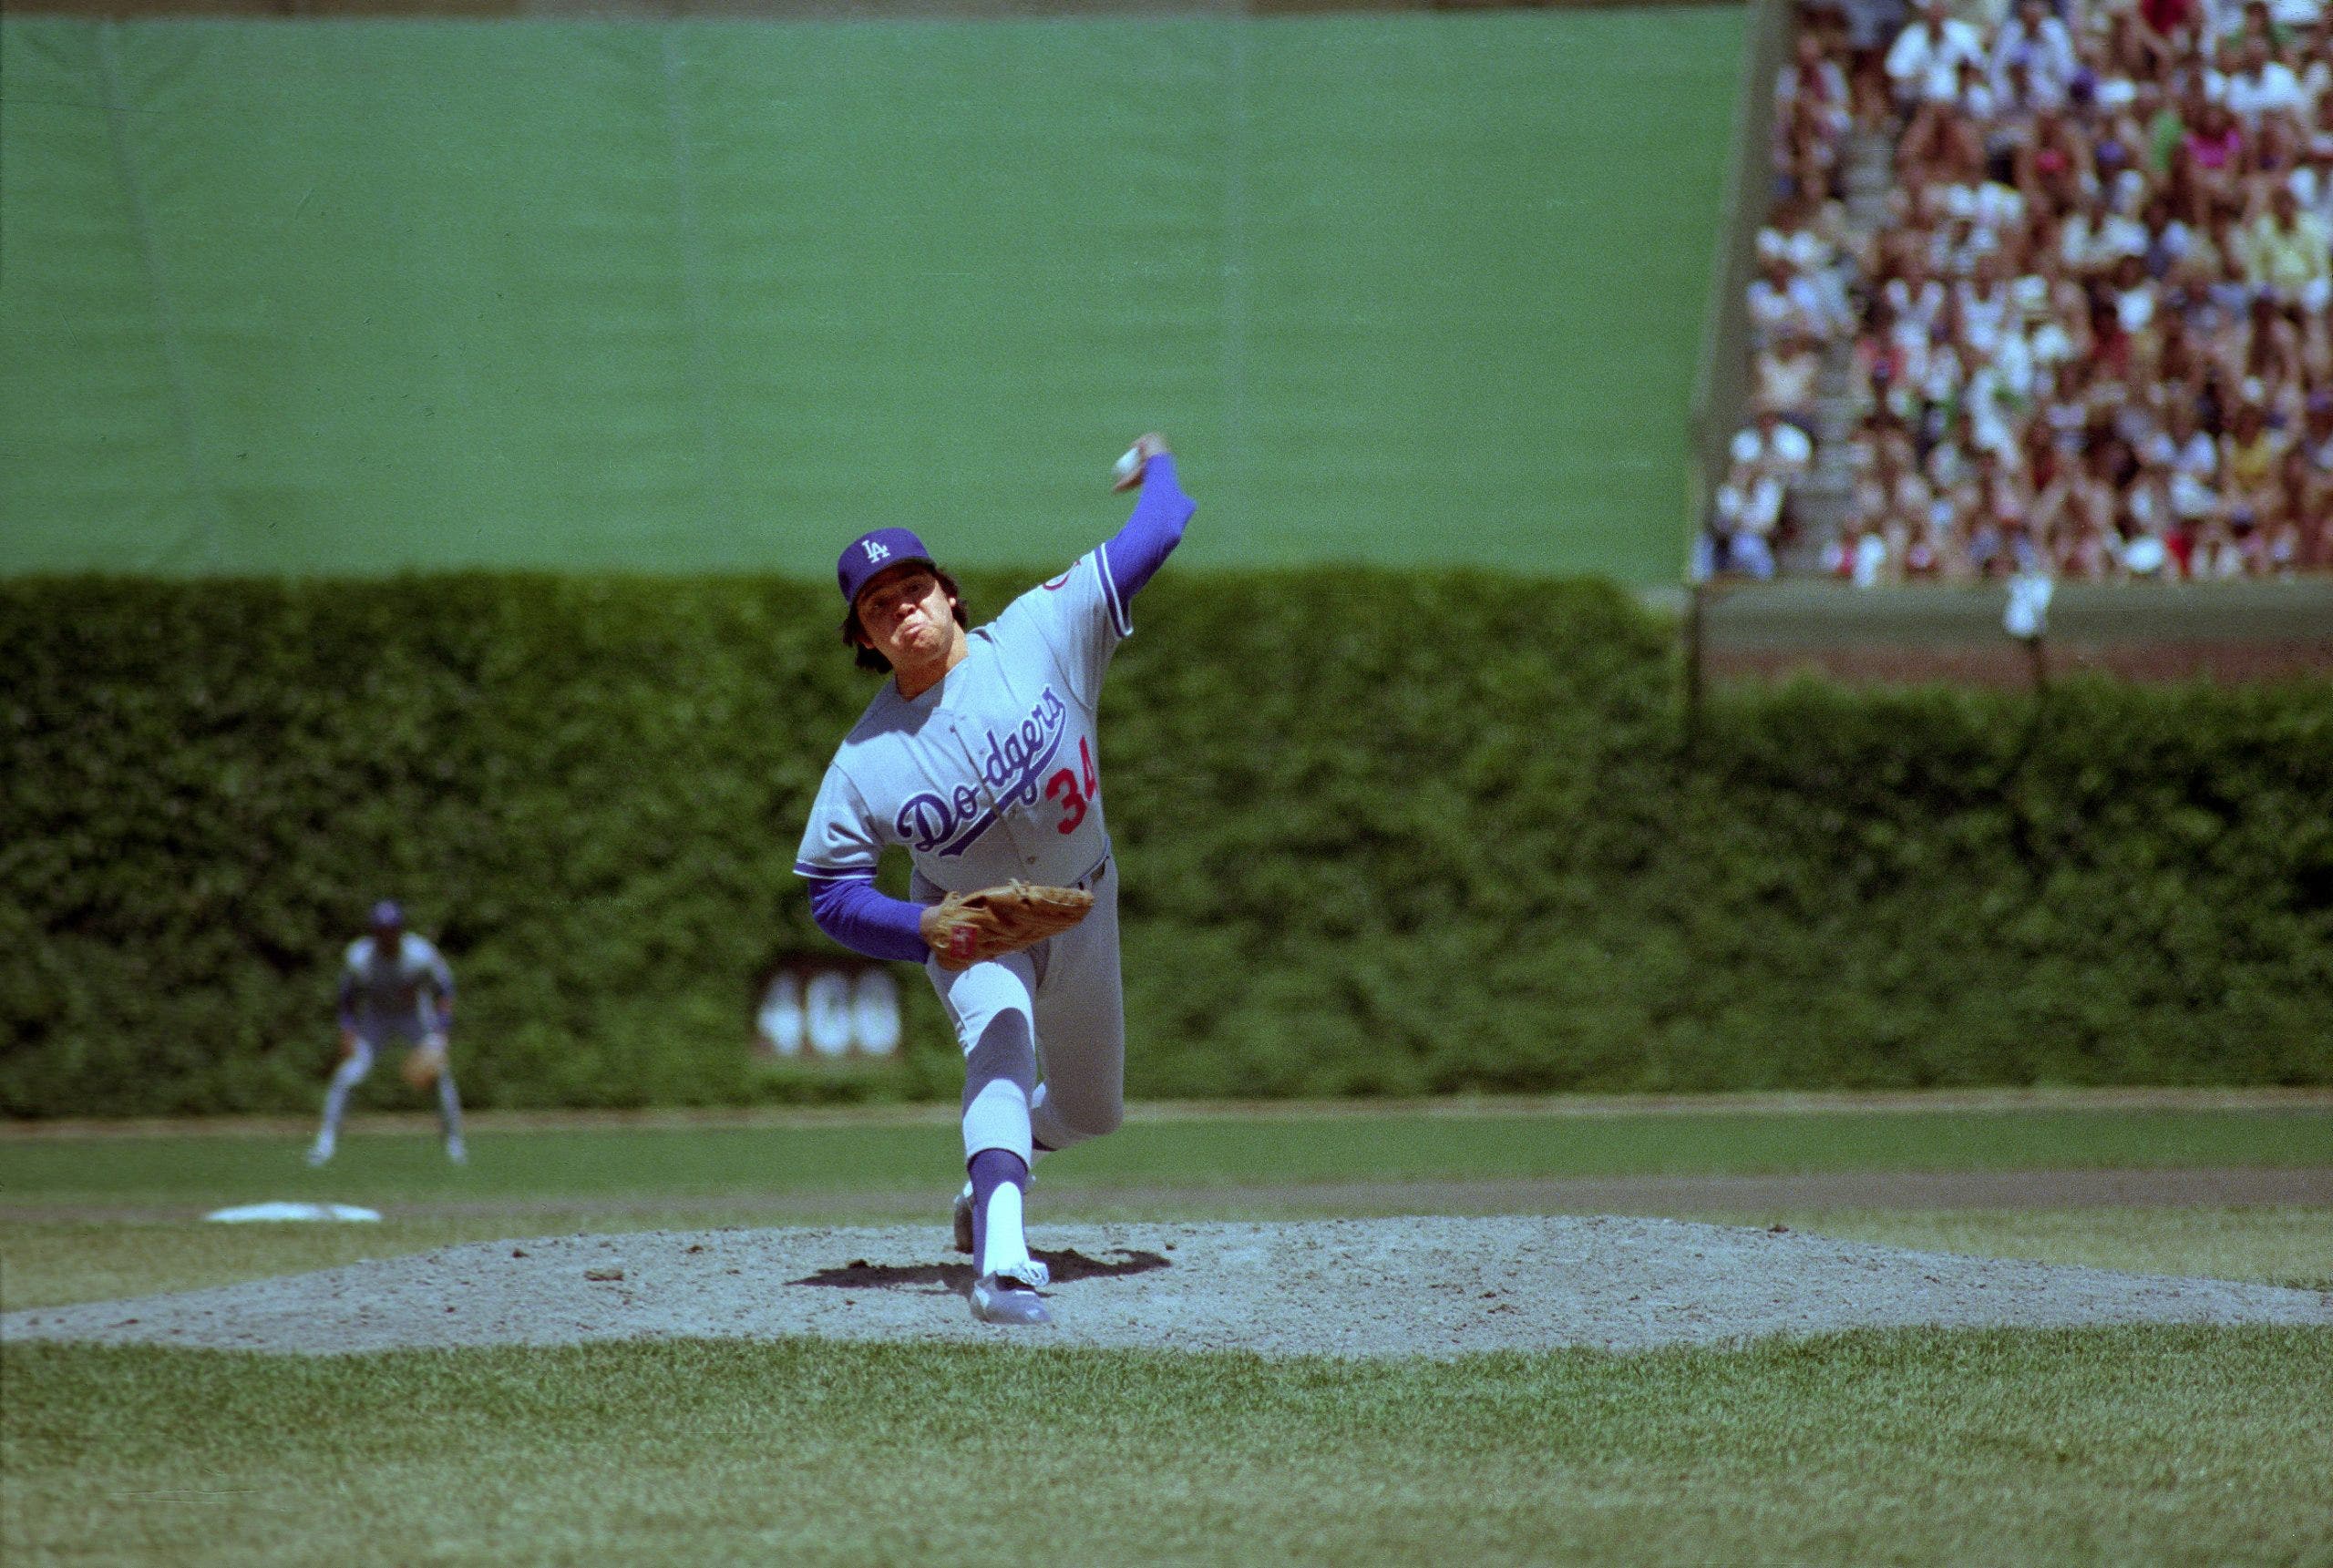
column 1067, row 1267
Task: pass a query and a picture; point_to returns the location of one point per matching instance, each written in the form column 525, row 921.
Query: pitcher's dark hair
column 855, row 637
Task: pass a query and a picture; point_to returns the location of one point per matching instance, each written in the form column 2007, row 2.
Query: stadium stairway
column 1819, row 502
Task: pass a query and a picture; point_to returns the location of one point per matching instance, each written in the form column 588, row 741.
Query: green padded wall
column 369, row 297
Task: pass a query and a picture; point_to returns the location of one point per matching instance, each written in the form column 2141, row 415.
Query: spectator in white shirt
column 1767, row 456
column 2261, row 85
column 2040, row 42
column 2315, row 63
column 1953, row 250
column 2313, row 181
column 1924, row 63
column 1890, row 504
column 1985, row 303
column 2134, row 298
column 2017, row 98
column 1994, row 400
column 1784, row 300
column 1769, row 444
column 1813, row 75
column 1943, row 139
column 1993, row 205
column 2149, row 520
column 2191, row 456
column 1914, row 293
column 2182, row 443
column 1974, row 95
column 1786, row 377
column 1792, row 235
column 2097, row 237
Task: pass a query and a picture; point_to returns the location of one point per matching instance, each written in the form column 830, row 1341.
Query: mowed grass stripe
column 921, row 1113
column 2133, row 1444
column 1216, row 1151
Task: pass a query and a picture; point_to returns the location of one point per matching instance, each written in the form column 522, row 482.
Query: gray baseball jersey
column 994, row 772
column 405, row 992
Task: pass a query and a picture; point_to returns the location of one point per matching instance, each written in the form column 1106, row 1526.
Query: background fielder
column 394, row 984
column 979, row 758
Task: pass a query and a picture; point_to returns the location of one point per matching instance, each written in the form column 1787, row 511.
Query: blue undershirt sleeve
column 866, row 921
column 1141, row 548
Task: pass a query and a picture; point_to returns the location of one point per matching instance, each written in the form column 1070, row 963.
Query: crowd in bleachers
column 2090, row 330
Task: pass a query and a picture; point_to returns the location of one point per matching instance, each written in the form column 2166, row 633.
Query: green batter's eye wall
column 370, row 297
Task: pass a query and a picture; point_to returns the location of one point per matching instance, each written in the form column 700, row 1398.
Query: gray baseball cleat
column 1006, row 1298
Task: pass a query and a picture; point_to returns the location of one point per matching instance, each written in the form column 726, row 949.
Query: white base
column 251, row 1212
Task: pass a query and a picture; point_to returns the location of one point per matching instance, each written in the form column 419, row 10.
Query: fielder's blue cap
column 870, row 553
column 386, row 913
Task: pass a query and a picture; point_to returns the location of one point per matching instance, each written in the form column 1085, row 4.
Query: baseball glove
column 423, row 1063
column 969, row 927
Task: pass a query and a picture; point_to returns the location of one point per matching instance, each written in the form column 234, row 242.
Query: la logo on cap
column 876, row 549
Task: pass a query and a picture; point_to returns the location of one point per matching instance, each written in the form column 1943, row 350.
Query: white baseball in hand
column 1127, row 472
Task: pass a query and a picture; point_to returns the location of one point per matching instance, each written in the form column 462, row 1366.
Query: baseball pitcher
column 978, row 757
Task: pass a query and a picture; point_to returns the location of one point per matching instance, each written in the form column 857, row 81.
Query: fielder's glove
column 424, row 1062
column 965, row 928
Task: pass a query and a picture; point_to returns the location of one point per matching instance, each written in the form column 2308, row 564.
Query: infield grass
column 104, row 1216
column 2289, row 1247
column 1196, row 1154
column 2136, row 1444
column 2143, row 1444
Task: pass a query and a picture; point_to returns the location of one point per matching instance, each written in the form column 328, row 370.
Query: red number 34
column 1074, row 790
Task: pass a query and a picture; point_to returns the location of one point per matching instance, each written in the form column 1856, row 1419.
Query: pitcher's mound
column 1339, row 1287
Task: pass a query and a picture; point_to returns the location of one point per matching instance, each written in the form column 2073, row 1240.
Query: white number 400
column 831, row 1012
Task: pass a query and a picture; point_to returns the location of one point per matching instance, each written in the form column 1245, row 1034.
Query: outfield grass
column 1263, row 1148
column 2157, row 1445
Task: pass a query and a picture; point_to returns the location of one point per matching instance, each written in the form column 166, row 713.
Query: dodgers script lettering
column 1011, row 767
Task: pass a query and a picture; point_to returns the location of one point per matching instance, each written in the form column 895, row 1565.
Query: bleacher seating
column 2046, row 287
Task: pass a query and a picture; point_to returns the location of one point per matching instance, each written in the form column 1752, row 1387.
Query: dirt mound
column 1341, row 1288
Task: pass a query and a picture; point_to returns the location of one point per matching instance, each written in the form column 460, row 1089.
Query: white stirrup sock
column 1002, row 1245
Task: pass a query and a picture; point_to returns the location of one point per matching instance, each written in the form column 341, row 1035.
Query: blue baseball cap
column 870, row 553
column 386, row 915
